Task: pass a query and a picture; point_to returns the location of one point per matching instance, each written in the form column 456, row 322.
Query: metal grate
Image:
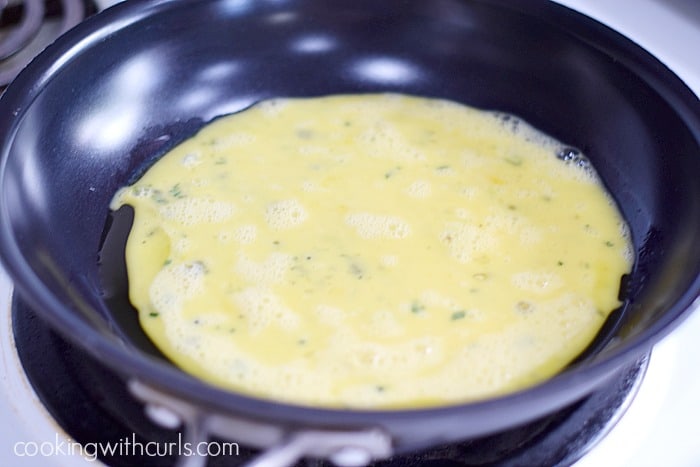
column 28, row 26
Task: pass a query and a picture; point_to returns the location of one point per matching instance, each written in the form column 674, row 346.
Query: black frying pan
column 120, row 89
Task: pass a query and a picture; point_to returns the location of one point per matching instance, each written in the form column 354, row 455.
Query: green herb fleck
column 609, row 244
column 458, row 315
column 417, row 307
column 158, row 197
column 560, row 263
column 380, row 388
column 356, row 270
column 167, row 262
column 153, row 314
column 480, row 276
column 199, row 266
column 524, row 307
column 392, row 172
column 176, row 191
column 305, row 133
column 514, row 160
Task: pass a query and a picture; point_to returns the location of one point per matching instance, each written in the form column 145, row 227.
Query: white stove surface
column 658, row 426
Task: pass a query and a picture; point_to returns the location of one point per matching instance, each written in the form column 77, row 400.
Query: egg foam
column 373, row 251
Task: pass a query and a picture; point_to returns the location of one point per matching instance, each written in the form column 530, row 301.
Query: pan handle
column 282, row 447
column 344, row 449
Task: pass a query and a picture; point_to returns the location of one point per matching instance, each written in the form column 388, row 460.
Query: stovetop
column 655, row 430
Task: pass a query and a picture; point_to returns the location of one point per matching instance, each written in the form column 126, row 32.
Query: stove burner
column 27, row 26
column 93, row 405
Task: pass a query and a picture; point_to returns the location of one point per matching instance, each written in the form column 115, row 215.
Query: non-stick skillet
column 121, row 88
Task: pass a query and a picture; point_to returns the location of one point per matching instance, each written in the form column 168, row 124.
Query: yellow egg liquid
column 372, row 251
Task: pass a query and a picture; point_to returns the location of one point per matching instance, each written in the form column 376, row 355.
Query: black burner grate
column 28, row 26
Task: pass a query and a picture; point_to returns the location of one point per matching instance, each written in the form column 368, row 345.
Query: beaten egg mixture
column 372, row 251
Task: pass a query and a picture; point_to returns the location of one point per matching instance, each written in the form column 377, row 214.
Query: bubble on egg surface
column 384, row 141
column 330, row 315
column 270, row 271
column 530, row 235
column 403, row 361
column 191, row 160
column 579, row 173
column 434, row 298
column 140, row 191
column 309, row 186
column 462, row 213
column 224, row 236
column 384, row 323
column 419, row 189
column 466, row 241
column 285, row 214
column 626, row 247
column 273, row 107
column 472, row 160
column 470, row 193
column 261, row 308
column 192, row 211
column 538, row 282
column 234, row 140
column 181, row 245
column 174, row 284
column 245, row 234
column 373, row 226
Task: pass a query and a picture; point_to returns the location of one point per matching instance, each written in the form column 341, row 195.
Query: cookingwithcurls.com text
column 124, row 447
